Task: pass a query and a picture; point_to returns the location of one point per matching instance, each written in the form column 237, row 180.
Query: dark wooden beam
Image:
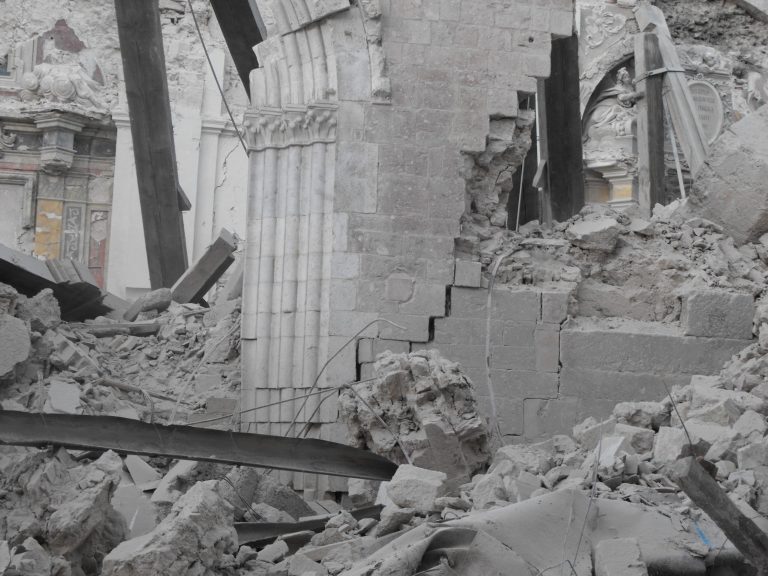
column 702, row 489
column 650, row 121
column 146, row 86
column 241, row 32
column 190, row 443
column 563, row 125
column 204, row 273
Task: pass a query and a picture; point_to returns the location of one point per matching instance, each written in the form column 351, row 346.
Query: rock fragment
column 417, row 488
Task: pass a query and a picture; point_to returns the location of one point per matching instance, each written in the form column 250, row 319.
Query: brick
column 522, row 305
column 649, row 347
column 547, row 338
column 717, row 313
column 467, row 273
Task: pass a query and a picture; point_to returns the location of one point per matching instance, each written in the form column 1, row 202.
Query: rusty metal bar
column 190, row 443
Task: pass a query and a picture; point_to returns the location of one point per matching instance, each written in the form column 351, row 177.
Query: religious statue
column 613, row 114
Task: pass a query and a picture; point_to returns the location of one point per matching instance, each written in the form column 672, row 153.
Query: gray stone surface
column 468, row 273
column 41, row 311
column 730, row 188
column 618, row 557
column 716, row 313
column 600, row 234
column 14, row 343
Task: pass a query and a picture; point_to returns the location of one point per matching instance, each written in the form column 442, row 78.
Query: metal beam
column 190, row 443
column 146, row 87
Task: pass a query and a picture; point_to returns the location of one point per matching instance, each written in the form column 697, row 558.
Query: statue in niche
column 614, row 113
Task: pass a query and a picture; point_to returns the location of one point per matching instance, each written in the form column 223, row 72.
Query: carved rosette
column 290, row 126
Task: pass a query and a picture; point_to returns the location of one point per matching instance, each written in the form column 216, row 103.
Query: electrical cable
column 216, row 78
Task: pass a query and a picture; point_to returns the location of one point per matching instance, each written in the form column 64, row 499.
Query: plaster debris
column 427, row 404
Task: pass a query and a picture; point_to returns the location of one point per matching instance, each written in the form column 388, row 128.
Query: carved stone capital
column 293, row 125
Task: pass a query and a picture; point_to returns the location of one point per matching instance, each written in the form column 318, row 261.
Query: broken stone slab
column 143, row 475
column 362, row 492
column 41, row 311
column 63, row 397
column 194, row 538
column 532, row 458
column 15, row 345
column 489, row 491
column 589, row 432
column 274, row 552
column 669, row 445
column 618, row 557
column 640, row 439
column 203, row 274
column 723, row 413
column 599, row 234
column 392, row 518
column 417, row 488
column 751, row 426
column 167, row 492
column 729, row 189
column 267, row 513
column 753, row 455
column 157, row 300
column 135, row 508
column 717, row 313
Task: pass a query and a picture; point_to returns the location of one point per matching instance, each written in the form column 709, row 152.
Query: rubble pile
column 420, row 404
column 111, row 367
column 618, row 264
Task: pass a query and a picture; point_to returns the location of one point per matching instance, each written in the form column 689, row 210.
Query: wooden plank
column 204, row 273
column 191, row 443
column 677, row 95
column 650, row 121
column 146, row 87
column 565, row 159
column 241, row 33
column 116, row 328
column 704, row 491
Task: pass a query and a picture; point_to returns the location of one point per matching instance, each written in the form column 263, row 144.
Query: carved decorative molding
column 290, row 126
column 381, row 88
column 60, row 83
column 7, row 140
column 602, row 24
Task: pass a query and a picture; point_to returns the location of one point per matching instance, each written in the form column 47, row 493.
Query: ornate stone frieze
column 60, row 83
column 290, row 126
column 600, row 25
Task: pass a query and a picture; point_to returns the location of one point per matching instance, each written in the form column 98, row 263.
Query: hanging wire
column 215, row 77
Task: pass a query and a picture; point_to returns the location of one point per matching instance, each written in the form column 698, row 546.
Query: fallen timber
column 128, row 436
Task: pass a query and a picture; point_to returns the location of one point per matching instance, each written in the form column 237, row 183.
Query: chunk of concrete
column 642, row 414
column 413, row 487
column 14, row 343
column 718, row 314
column 489, row 491
column 618, row 557
column 724, row 413
column 669, row 445
column 362, row 492
column 196, row 537
column 600, row 234
column 753, row 455
column 41, row 311
column 641, row 439
column 157, row 300
column 751, row 426
column 274, row 552
column 392, row 518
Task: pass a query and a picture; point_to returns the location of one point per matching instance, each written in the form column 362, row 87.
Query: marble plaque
column 709, row 107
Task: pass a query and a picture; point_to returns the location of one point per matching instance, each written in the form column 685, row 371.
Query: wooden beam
column 191, row 443
column 677, row 95
column 702, row 489
column 241, row 33
column 565, row 159
column 146, row 86
column 202, row 275
column 650, row 121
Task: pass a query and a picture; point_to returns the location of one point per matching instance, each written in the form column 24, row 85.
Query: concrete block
column 544, row 418
column 417, row 488
column 632, row 346
column 468, row 273
column 547, row 340
column 617, row 386
column 717, row 313
column 416, row 328
column 641, row 439
column 508, row 305
column 554, row 306
column 618, row 557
